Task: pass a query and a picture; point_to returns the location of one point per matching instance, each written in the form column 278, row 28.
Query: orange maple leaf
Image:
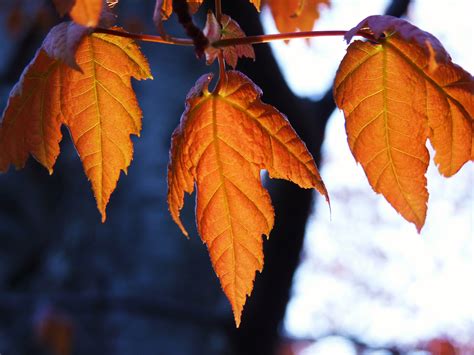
column 98, row 105
column 83, row 12
column 167, row 7
column 223, row 142
column 256, row 3
column 396, row 94
column 295, row 15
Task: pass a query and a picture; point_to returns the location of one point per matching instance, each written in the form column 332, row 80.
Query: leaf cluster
column 397, row 87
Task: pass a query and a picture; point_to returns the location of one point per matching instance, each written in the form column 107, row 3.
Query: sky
column 365, row 271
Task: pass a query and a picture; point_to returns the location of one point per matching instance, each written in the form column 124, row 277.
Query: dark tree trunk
column 263, row 314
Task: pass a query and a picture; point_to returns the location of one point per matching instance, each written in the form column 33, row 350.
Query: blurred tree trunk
column 263, row 314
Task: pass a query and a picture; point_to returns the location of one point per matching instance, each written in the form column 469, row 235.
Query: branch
column 283, row 37
column 146, row 38
column 259, row 39
column 200, row 41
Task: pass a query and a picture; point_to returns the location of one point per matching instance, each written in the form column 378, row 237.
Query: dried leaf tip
column 380, row 26
column 63, row 40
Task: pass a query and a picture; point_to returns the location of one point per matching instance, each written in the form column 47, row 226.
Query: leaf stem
column 220, row 58
column 218, row 8
column 222, row 73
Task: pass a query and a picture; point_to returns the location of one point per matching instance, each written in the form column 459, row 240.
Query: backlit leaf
column 395, row 95
column 295, row 15
column 256, row 3
column 223, row 142
column 83, row 12
column 98, row 105
column 86, row 12
column 32, row 119
column 102, row 110
column 167, row 8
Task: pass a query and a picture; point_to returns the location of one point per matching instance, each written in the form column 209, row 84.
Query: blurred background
column 360, row 281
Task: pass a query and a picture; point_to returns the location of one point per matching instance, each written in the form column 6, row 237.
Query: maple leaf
column 97, row 104
column 396, row 94
column 83, row 12
column 166, row 7
column 32, row 119
column 223, row 142
column 256, row 3
column 229, row 29
column 295, row 15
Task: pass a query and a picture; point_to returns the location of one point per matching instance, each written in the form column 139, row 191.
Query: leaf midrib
column 99, row 123
column 215, row 142
column 387, row 134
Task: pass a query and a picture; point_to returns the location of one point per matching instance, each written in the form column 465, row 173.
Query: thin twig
column 282, row 37
column 181, row 9
column 230, row 41
column 146, row 38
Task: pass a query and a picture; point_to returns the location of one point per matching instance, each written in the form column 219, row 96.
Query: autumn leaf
column 295, row 15
column 166, row 7
column 98, row 106
column 223, row 142
column 229, row 29
column 32, row 119
column 256, row 3
column 396, row 94
column 83, row 12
